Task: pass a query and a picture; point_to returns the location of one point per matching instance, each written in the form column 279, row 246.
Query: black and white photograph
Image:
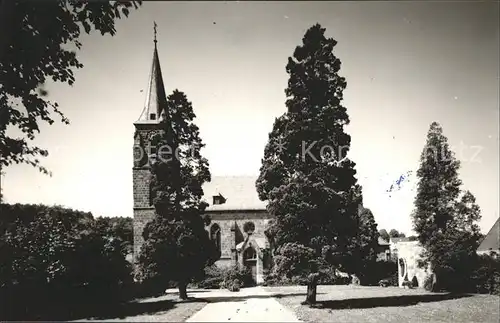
column 250, row 161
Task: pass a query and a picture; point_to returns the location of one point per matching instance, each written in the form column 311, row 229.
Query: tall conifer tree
column 305, row 176
column 445, row 217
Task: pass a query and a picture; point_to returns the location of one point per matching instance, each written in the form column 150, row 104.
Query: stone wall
column 141, row 178
column 226, row 220
column 141, row 218
column 143, row 212
column 408, row 253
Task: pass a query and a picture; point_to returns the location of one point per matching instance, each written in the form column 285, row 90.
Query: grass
column 391, row 304
column 166, row 308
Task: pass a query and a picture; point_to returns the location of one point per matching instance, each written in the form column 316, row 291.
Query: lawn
column 391, row 304
column 166, row 308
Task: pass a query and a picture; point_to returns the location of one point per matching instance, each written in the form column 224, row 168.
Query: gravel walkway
column 248, row 305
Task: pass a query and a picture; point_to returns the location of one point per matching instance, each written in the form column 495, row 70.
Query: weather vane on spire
column 154, row 28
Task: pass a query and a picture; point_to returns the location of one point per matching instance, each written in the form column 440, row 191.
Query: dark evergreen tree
column 176, row 245
column 445, row 218
column 368, row 234
column 305, row 176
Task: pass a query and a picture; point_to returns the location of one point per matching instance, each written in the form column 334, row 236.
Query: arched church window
column 215, row 235
column 402, row 267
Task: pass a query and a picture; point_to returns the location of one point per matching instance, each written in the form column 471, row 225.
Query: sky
column 407, row 64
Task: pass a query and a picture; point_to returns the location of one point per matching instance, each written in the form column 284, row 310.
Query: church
column 239, row 218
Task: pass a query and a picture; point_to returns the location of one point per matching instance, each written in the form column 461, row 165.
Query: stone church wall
column 229, row 238
column 141, row 218
column 143, row 212
column 408, row 253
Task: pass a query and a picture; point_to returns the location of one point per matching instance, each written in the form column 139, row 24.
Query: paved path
column 248, row 305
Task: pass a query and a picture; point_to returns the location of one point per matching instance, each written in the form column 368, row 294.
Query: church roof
column 492, row 239
column 239, row 192
column 382, row 242
column 156, row 98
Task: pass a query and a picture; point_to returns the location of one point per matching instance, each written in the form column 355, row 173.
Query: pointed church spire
column 156, row 98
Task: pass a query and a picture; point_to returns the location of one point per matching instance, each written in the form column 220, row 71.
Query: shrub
column 329, row 276
column 210, row 283
column 299, row 280
column 57, row 261
column 414, row 282
column 243, row 275
column 384, row 283
column 428, row 283
column 374, row 272
column 487, row 275
column 234, row 286
column 212, row 279
column 216, row 277
column 273, row 279
column 407, row 283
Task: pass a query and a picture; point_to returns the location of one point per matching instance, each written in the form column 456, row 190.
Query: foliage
column 407, row 283
column 56, row 259
column 305, row 176
column 330, row 276
column 243, row 275
column 293, row 259
column 390, row 281
column 445, row 217
column 176, row 246
column 355, row 280
column 396, row 234
column 367, row 247
column 487, row 274
column 428, row 283
column 217, row 277
column 36, row 46
column 393, row 233
column 117, row 230
column 414, row 282
column 379, row 270
column 233, row 286
column 212, row 278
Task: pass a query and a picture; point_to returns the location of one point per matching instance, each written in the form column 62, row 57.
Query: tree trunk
column 312, row 288
column 311, row 293
column 434, row 287
column 182, row 290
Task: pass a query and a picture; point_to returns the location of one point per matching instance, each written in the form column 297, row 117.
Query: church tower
column 146, row 127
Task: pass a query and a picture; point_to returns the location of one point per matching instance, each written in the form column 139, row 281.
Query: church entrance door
column 250, row 261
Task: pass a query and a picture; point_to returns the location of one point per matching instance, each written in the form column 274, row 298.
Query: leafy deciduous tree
column 35, row 46
column 396, row 234
column 52, row 256
column 176, row 245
